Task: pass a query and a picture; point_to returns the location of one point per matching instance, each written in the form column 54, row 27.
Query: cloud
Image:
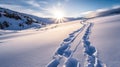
column 32, row 7
column 17, row 7
column 64, row 0
column 43, row 2
column 22, row 9
column 33, row 3
column 37, row 5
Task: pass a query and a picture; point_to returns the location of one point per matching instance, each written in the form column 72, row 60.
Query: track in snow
column 90, row 51
column 63, row 55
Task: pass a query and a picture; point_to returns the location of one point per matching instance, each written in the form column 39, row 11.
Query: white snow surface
column 73, row 44
column 19, row 21
column 105, row 37
column 33, row 48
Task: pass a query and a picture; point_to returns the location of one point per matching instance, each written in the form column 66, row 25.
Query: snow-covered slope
column 94, row 43
column 36, row 48
column 12, row 20
column 105, row 37
column 53, row 46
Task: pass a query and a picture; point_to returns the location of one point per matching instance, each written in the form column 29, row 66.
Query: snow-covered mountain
column 103, row 13
column 12, row 20
column 110, row 12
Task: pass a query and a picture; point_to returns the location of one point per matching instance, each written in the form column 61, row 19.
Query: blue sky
column 71, row 8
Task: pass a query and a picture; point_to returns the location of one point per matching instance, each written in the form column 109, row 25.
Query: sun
column 58, row 15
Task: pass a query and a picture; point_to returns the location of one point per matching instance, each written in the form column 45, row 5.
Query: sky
column 71, row 8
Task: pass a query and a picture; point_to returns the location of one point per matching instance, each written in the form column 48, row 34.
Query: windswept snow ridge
column 90, row 51
column 63, row 55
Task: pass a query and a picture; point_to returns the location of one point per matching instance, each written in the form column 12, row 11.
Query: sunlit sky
column 71, row 8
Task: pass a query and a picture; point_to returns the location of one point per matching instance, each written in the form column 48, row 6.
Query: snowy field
column 105, row 37
column 73, row 44
column 33, row 48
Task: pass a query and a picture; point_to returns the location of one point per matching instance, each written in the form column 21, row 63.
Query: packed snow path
column 64, row 52
column 90, row 51
column 63, row 55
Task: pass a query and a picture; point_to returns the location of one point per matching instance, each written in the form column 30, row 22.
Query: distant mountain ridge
column 114, row 11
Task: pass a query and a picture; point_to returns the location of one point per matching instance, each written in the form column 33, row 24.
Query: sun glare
column 58, row 15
